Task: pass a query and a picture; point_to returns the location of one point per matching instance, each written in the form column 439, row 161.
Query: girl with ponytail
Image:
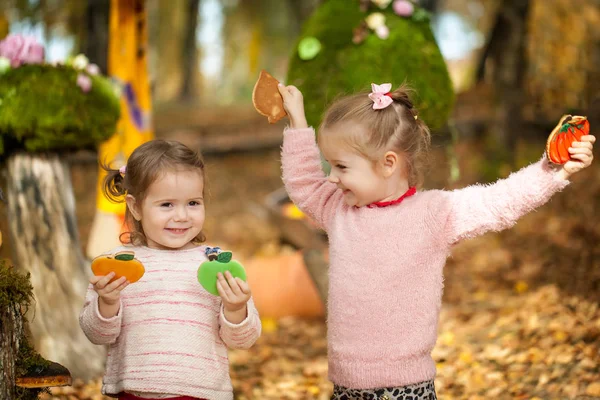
column 388, row 241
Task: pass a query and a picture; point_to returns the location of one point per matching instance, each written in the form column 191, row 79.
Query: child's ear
column 133, row 207
column 390, row 163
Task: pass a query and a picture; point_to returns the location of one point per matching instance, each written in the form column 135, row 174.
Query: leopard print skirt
column 418, row 391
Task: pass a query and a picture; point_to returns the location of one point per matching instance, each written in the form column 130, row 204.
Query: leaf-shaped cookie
column 266, row 98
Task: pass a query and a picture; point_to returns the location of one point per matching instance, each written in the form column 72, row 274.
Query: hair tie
column 123, row 169
column 381, row 96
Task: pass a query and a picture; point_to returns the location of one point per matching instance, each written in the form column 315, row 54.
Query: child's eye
column 166, row 204
column 340, row 166
column 194, row 203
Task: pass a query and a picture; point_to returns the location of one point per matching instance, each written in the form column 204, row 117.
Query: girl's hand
column 234, row 293
column 109, row 294
column 294, row 105
column 581, row 156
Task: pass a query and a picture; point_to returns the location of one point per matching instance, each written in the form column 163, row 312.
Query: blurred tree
column 166, row 27
column 95, row 40
column 506, row 51
column 190, row 51
column 4, row 24
column 563, row 54
column 542, row 60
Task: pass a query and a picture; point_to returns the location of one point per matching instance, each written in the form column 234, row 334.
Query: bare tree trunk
column 190, row 52
column 41, row 213
column 95, row 46
column 507, row 53
column 11, row 330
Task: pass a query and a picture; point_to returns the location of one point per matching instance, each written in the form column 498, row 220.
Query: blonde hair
column 396, row 127
column 145, row 165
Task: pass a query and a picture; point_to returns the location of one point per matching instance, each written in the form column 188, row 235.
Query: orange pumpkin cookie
column 570, row 128
column 266, row 98
column 122, row 263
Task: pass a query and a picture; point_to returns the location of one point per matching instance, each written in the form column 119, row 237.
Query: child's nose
column 180, row 213
column 333, row 178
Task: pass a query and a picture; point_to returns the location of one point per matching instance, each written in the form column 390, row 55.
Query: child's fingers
column 586, row 144
column 283, row 91
column 581, row 149
column 111, row 287
column 233, row 283
column 244, row 287
column 101, row 281
column 588, row 138
column 224, row 285
column 222, row 291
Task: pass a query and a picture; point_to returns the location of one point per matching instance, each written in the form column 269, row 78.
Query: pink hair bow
column 123, row 169
column 380, row 94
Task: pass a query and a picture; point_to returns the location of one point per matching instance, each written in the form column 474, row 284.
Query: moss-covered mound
column 42, row 108
column 409, row 54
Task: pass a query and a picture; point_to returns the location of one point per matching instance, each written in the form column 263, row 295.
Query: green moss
column 16, row 288
column 409, row 54
column 42, row 108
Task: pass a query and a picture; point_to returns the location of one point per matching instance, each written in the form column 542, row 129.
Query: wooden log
column 43, row 231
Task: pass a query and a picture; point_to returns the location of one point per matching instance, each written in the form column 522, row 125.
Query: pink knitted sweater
column 170, row 335
column 385, row 274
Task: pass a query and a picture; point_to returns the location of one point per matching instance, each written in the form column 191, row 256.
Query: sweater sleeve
column 477, row 209
column 99, row 330
column 244, row 334
column 304, row 178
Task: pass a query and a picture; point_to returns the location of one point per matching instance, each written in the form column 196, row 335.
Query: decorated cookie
column 266, row 98
column 218, row 261
column 122, row 263
column 569, row 129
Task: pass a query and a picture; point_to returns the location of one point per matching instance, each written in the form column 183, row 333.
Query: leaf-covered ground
column 520, row 318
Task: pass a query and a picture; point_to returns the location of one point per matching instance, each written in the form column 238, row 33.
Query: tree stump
column 41, row 211
column 11, row 330
column 24, row 372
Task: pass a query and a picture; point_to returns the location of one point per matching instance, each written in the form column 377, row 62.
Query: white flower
column 382, row 3
column 4, row 65
column 375, row 20
column 80, row 61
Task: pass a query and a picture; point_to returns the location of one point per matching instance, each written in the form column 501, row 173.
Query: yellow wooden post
column 127, row 64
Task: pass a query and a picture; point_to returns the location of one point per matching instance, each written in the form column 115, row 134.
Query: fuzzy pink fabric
column 386, row 264
column 170, row 335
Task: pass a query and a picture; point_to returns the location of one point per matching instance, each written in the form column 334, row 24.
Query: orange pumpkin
column 281, row 286
column 569, row 129
column 122, row 263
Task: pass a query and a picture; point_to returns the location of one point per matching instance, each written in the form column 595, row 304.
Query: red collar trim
column 408, row 193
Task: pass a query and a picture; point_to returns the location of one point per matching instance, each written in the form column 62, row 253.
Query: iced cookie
column 218, row 261
column 569, row 129
column 122, row 263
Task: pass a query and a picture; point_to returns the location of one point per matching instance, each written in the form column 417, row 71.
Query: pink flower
column 92, row 69
column 403, row 8
column 382, row 32
column 21, row 50
column 84, row 82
